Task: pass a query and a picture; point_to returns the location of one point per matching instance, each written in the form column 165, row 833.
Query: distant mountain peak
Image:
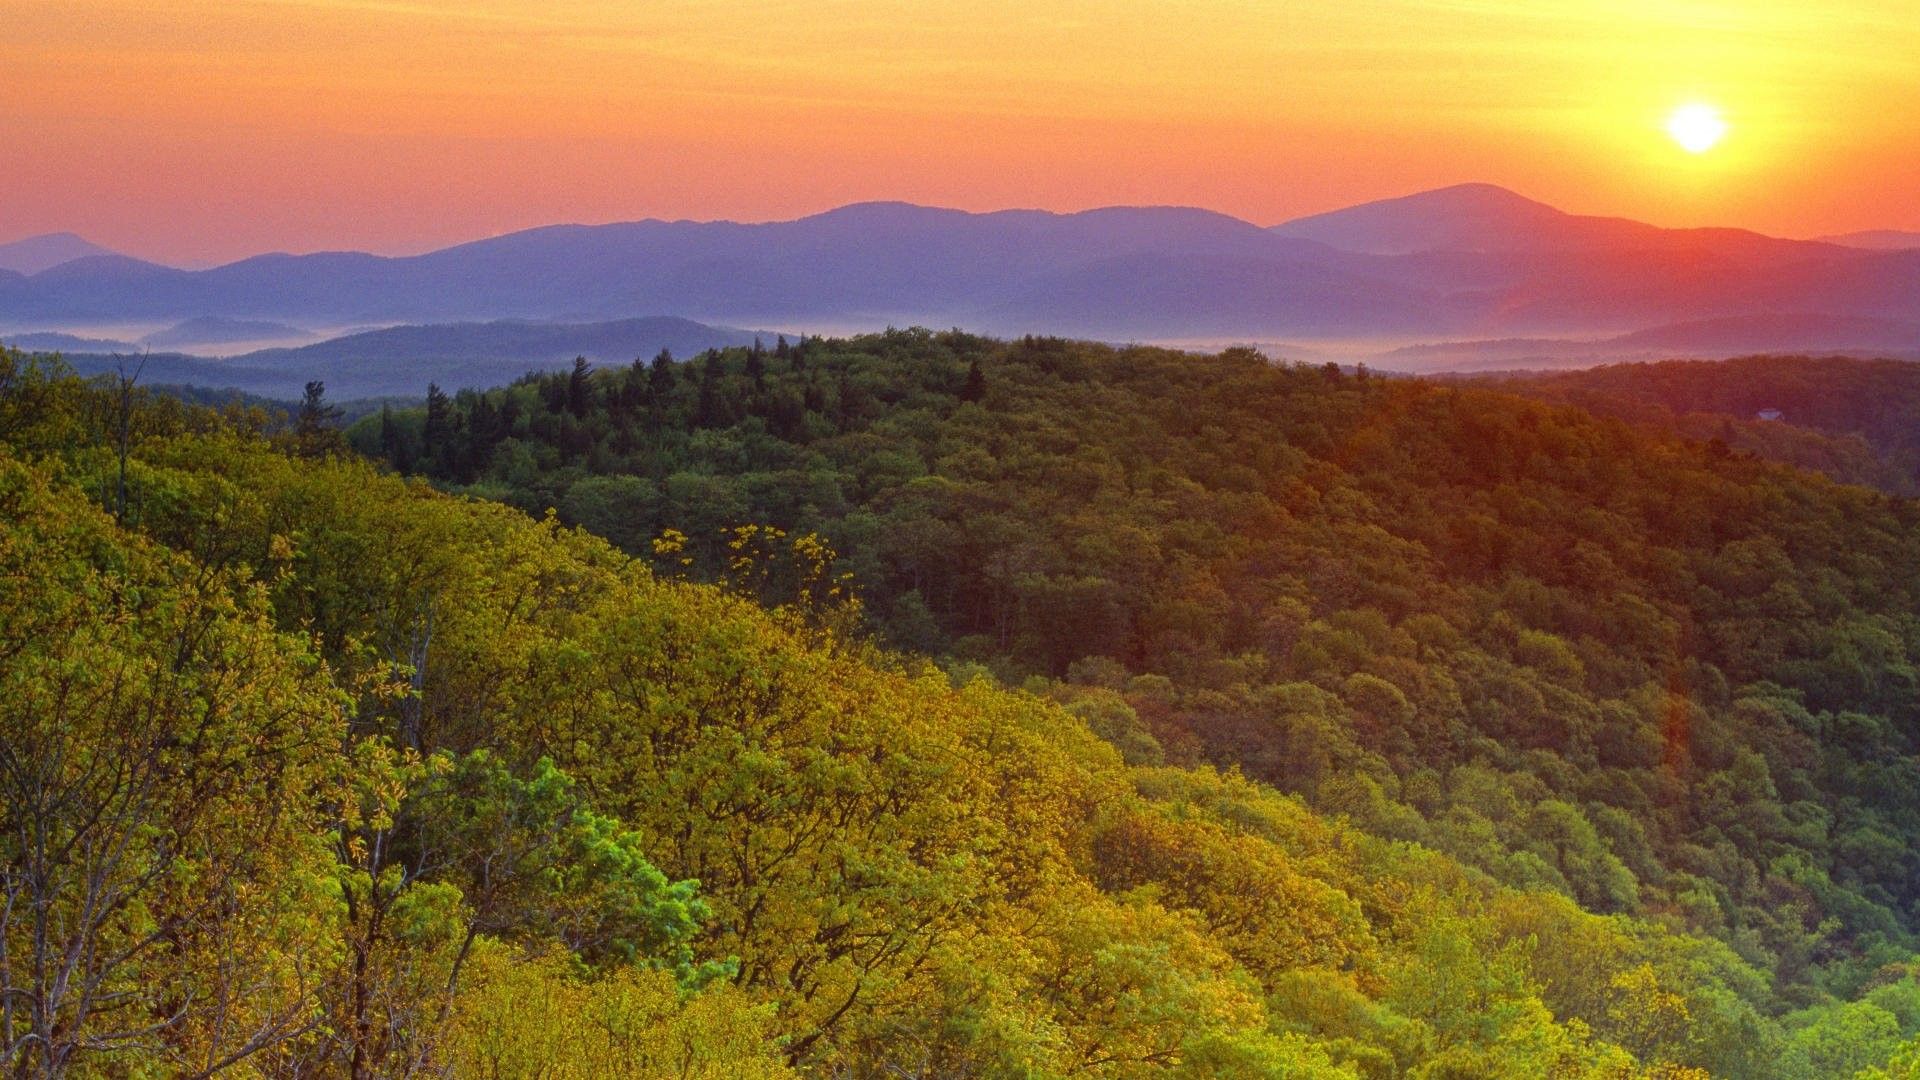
column 886, row 212
column 1472, row 192
column 32, row 254
column 1461, row 217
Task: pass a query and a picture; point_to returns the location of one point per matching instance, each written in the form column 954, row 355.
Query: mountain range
column 1467, row 262
column 1879, row 239
column 1711, row 339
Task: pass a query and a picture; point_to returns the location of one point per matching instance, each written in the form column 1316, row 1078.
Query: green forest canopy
column 1854, row 420
column 1654, row 675
column 332, row 773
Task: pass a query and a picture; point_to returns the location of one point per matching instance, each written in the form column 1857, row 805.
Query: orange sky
column 194, row 131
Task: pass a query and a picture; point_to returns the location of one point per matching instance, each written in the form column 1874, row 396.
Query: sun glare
column 1696, row 127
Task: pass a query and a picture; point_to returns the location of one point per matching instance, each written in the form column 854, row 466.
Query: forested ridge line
column 1850, row 418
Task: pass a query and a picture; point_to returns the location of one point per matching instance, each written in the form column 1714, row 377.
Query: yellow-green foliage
column 1661, row 677
column 166, row 897
column 898, row 877
column 536, row 1016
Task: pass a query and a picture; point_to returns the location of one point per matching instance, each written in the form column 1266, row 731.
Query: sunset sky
column 193, row 131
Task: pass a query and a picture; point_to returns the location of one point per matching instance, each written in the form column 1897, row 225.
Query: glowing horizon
column 207, row 131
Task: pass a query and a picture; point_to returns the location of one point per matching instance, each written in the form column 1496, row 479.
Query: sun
column 1697, row 127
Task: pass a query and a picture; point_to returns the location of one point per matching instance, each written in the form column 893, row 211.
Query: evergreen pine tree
column 437, row 433
column 580, row 388
column 316, row 429
column 976, row 385
column 393, row 445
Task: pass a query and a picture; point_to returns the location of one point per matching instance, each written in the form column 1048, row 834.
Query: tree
column 660, row 376
column 975, row 388
column 316, row 428
column 158, row 901
column 437, row 433
column 440, row 855
column 580, row 388
column 633, row 391
column 393, row 444
column 123, row 385
column 486, row 428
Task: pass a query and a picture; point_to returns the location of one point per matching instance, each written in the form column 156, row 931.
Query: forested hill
column 306, row 770
column 1659, row 676
column 309, row 770
column 1769, row 404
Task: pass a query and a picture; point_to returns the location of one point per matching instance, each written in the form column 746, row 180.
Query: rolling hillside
column 597, row 819
column 1601, row 660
